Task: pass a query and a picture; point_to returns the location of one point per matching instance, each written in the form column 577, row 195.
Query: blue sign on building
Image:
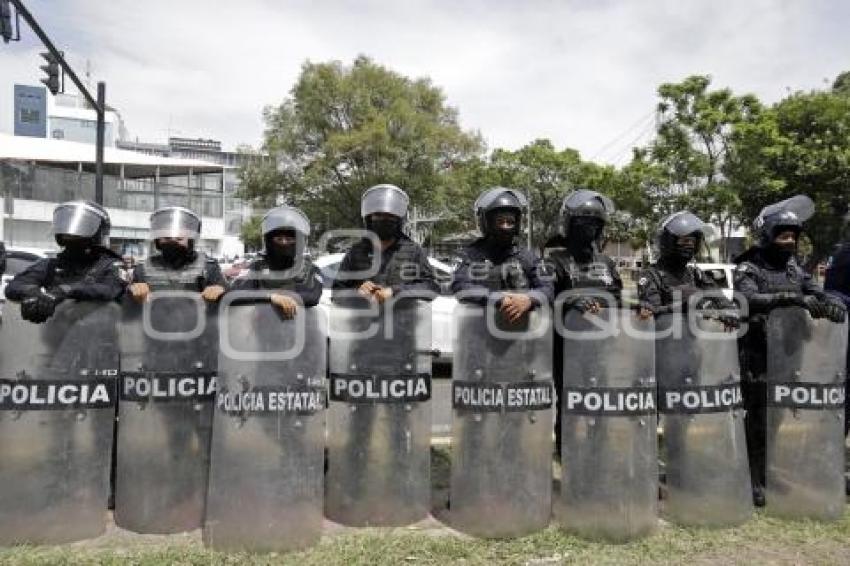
column 30, row 111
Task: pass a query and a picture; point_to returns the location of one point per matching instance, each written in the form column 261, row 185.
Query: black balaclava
column 582, row 236
column 278, row 256
column 385, row 228
column 174, row 254
column 779, row 255
column 77, row 249
column 498, row 237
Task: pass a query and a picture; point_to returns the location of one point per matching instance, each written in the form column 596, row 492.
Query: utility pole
column 56, row 56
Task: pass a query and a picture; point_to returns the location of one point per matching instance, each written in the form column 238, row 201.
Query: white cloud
column 579, row 73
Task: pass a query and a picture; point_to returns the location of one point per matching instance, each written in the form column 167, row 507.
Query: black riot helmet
column 81, row 219
column 788, row 214
column 495, row 200
column 678, row 225
column 588, row 204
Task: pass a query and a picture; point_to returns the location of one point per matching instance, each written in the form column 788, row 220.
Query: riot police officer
column 378, row 469
column 768, row 276
column 175, row 230
column 837, row 283
column 85, row 270
column 495, row 263
column 283, row 266
column 666, row 286
column 578, row 263
column 2, row 258
column 402, row 266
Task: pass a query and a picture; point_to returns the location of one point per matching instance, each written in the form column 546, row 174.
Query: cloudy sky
column 582, row 73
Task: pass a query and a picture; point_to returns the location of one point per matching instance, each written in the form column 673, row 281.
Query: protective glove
column 587, row 304
column 835, row 312
column 38, row 308
column 815, row 306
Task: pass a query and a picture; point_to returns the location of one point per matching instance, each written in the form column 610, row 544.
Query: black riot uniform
column 277, row 269
column 2, row 258
column 177, row 267
column 85, row 270
column 577, row 264
column 494, row 262
column 667, row 285
column 837, row 283
column 192, row 272
column 403, row 267
column 768, row 276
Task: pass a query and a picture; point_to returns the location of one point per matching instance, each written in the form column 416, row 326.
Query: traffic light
column 5, row 21
column 52, row 72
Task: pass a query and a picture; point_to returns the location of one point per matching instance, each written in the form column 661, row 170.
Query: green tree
column 693, row 148
column 801, row 146
column 544, row 173
column 347, row 127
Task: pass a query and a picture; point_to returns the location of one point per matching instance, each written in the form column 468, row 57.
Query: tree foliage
column 345, row 128
column 724, row 156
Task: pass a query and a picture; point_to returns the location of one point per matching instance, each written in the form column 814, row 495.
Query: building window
column 58, row 134
column 30, row 116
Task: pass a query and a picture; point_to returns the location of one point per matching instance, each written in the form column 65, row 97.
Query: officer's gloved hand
column 38, row 308
column 815, row 306
column 730, row 319
column 587, row 304
column 835, row 311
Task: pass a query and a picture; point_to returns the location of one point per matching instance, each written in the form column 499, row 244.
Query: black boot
column 758, row 496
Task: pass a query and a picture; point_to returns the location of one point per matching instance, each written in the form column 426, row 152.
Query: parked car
column 722, row 274
column 442, row 308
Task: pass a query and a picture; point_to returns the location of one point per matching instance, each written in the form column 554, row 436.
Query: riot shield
column 57, row 416
column 502, row 394
column 266, row 471
column 379, row 420
column 609, row 486
column 805, row 415
column 704, row 445
column 169, row 351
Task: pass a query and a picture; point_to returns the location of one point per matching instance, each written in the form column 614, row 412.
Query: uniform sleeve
column 310, row 289
column 746, row 283
column 105, row 285
column 649, row 291
column 344, row 283
column 423, row 279
column 618, row 281
column 138, row 274
column 29, row 282
column 244, row 283
column 540, row 278
column 837, row 281
column 463, row 282
column 213, row 275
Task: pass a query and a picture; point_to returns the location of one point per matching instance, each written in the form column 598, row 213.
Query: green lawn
column 761, row 540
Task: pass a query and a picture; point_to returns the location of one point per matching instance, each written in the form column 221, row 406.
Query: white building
column 38, row 173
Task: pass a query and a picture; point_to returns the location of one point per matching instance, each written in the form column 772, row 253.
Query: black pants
column 755, row 423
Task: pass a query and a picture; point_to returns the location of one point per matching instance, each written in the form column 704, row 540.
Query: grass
column 761, row 540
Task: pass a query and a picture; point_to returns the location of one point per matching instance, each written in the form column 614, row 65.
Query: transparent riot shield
column 502, row 397
column 266, row 473
column 57, row 416
column 805, row 415
column 704, row 447
column 169, row 349
column 379, row 420
column 609, row 487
